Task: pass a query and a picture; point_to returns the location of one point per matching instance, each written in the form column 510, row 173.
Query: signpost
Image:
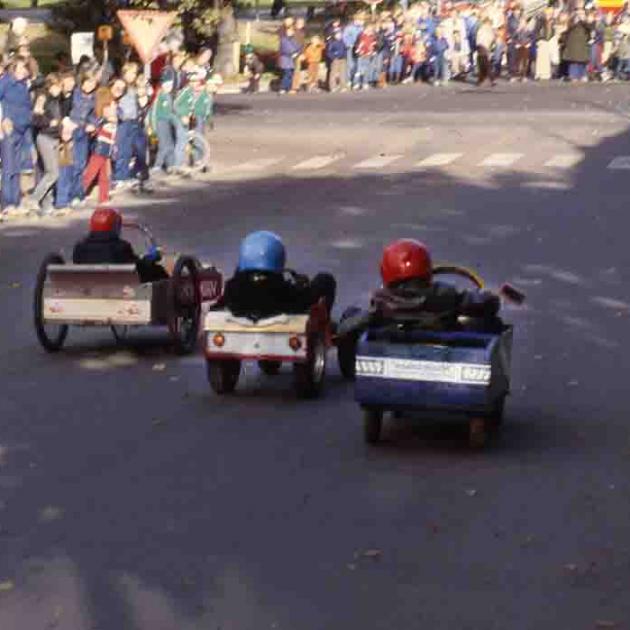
column 146, row 29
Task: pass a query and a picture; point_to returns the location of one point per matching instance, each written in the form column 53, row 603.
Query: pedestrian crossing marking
column 378, row 161
column 564, row 160
column 317, row 162
column 620, row 163
column 439, row 159
column 258, row 164
column 501, row 159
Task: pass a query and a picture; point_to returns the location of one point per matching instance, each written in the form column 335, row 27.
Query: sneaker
column 17, row 211
column 76, row 203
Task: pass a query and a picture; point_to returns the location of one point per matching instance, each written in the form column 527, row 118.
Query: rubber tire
column 496, row 415
column 50, row 345
column 477, row 433
column 270, row 368
column 189, row 343
column 223, row 375
column 347, row 346
column 372, row 425
column 304, row 378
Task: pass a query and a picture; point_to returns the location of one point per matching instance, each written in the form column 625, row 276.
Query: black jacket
column 257, row 294
column 52, row 111
column 107, row 248
column 432, row 307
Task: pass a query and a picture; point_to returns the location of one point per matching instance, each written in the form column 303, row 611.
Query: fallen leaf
column 50, row 513
column 159, row 367
column 6, row 586
column 372, row 553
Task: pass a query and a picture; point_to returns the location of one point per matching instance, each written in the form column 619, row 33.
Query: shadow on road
column 181, row 510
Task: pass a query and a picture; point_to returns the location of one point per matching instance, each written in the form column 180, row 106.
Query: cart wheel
column 347, row 355
column 477, row 433
column 223, row 375
column 184, row 303
column 372, row 424
column 120, row 333
column 308, row 377
column 51, row 336
column 270, row 368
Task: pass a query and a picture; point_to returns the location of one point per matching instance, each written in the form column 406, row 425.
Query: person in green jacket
column 203, row 104
column 183, row 107
column 163, row 120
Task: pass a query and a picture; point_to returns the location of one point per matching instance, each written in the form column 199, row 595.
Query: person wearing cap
column 183, row 105
column 103, row 245
column 262, row 286
column 253, row 69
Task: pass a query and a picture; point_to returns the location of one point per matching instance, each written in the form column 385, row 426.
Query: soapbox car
column 302, row 340
column 402, row 368
column 113, row 295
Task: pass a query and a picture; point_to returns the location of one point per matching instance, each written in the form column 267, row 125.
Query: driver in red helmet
column 409, row 294
column 103, row 245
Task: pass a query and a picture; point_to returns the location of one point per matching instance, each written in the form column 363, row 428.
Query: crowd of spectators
column 101, row 124
column 480, row 42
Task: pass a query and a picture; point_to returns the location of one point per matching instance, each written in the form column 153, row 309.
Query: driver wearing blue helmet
column 263, row 287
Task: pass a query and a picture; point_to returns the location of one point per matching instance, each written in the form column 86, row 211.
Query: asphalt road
column 131, row 497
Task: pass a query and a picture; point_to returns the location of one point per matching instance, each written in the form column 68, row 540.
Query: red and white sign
column 146, row 29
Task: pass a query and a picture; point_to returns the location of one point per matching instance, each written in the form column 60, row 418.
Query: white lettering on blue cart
column 432, row 371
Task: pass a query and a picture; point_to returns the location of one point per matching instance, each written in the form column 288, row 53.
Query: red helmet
column 405, row 259
column 106, row 220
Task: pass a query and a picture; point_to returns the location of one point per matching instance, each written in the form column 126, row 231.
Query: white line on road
column 317, row 162
column 377, row 161
column 564, row 160
column 439, row 159
column 257, row 165
column 501, row 159
column 620, row 163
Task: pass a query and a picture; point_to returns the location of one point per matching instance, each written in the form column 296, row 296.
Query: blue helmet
column 262, row 251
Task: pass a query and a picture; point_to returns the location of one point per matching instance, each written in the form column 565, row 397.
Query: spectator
column 337, row 61
column 162, row 121
column 350, row 36
column 253, row 70
column 289, row 51
column 485, row 43
column 313, row 54
column 576, row 47
column 522, row 43
column 545, row 32
column 128, row 127
column 17, row 118
column 47, row 121
column 365, row 49
column 300, row 38
column 440, row 51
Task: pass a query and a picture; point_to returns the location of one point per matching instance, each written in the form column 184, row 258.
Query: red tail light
column 218, row 340
column 295, row 343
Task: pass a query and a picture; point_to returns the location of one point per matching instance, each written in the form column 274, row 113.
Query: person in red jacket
column 365, row 52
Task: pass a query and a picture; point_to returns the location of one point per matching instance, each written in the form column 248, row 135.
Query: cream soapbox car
column 113, row 296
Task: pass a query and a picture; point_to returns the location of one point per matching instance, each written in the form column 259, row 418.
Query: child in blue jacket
column 17, row 116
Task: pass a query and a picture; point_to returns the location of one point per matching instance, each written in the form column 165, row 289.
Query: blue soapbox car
column 402, row 368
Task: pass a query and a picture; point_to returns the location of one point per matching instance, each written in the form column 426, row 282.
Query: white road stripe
column 377, row 161
column 501, row 159
column 317, row 162
column 257, row 165
column 564, row 160
column 439, row 159
column 620, row 163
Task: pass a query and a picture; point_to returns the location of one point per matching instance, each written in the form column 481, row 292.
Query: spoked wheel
column 308, row 377
column 372, row 425
column 477, row 433
column 184, row 300
column 223, row 375
column 270, row 368
column 121, row 333
column 51, row 336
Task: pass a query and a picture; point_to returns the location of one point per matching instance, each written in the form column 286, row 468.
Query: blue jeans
column 286, row 82
column 181, row 140
column 577, row 70
column 497, row 58
column 80, row 157
column 11, row 147
column 623, row 69
column 351, row 65
column 395, row 68
column 441, row 70
column 124, row 150
column 63, row 193
column 166, row 146
column 364, row 70
column 377, row 67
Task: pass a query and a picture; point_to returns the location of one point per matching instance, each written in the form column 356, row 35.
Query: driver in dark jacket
column 409, row 295
column 262, row 287
column 103, row 245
